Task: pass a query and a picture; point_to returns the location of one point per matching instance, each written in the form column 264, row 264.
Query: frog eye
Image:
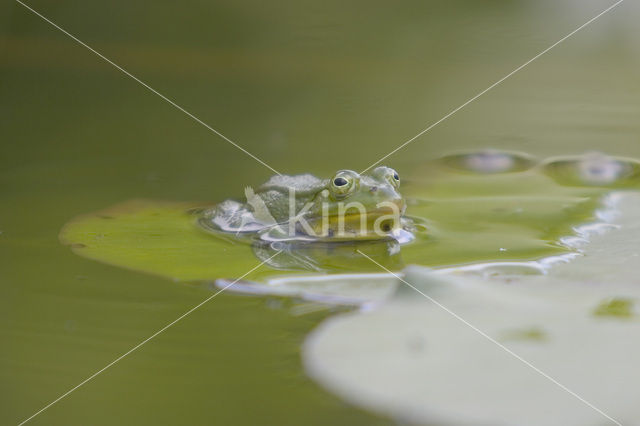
column 340, row 181
column 388, row 174
column 343, row 183
column 393, row 178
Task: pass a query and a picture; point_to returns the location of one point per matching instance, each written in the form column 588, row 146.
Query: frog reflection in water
column 347, row 207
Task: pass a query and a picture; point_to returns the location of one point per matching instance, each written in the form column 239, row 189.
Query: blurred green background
column 305, row 86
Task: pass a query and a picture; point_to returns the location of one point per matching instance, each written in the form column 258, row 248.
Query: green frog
column 348, row 206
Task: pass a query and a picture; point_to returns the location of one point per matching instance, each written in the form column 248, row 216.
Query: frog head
column 350, row 200
column 370, row 190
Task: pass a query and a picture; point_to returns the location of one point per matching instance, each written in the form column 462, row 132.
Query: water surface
column 307, row 87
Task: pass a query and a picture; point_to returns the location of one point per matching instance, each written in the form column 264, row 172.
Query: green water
column 305, row 86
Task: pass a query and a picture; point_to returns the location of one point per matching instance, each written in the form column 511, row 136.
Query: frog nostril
column 373, row 189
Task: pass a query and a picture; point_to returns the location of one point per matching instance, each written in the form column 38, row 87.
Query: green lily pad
column 503, row 225
column 465, row 219
column 158, row 238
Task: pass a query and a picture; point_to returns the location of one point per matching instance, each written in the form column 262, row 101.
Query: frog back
column 275, row 193
column 304, row 185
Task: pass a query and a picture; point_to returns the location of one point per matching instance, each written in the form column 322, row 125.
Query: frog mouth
column 372, row 223
column 354, row 214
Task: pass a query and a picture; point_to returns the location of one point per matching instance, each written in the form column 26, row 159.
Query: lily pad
column 158, row 238
column 481, row 240
column 415, row 361
column 462, row 218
